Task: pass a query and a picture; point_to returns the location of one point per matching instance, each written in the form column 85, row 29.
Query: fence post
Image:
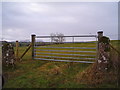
column 17, row 44
column 33, row 44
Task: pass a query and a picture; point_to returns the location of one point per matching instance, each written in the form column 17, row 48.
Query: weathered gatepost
column 103, row 60
column 33, row 44
column 101, row 71
column 8, row 56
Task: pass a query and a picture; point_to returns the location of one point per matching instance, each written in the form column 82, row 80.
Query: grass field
column 47, row 74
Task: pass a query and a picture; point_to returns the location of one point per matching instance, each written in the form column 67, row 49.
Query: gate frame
column 33, row 36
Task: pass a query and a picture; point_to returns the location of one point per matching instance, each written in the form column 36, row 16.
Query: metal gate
column 74, row 51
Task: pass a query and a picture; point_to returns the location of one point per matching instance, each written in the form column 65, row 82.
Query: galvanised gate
column 83, row 52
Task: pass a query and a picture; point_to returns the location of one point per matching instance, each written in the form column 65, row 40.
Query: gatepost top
column 100, row 32
column 33, row 35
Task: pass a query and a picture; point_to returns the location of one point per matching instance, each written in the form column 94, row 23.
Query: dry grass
column 94, row 77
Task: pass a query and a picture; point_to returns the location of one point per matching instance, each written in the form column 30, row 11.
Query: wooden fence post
column 33, row 44
column 17, row 44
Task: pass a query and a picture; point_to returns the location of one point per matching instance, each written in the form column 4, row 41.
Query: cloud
column 34, row 7
column 60, row 19
column 20, row 20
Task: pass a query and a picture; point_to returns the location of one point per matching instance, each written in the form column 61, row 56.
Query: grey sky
column 20, row 20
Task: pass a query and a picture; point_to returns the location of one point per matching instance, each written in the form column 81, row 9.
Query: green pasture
column 116, row 44
column 30, row 73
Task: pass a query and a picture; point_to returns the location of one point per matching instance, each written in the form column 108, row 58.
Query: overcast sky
column 20, row 20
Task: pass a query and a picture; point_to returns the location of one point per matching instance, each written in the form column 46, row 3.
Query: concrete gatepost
column 103, row 61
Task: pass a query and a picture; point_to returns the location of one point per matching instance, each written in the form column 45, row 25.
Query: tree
column 57, row 37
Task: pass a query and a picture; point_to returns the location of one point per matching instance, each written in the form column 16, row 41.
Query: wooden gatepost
column 33, row 44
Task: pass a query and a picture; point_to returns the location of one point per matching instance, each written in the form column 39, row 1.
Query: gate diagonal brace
column 25, row 51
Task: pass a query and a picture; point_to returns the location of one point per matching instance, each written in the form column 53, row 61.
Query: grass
column 116, row 44
column 46, row 74
column 40, row 74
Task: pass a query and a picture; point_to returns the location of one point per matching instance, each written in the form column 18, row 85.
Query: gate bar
column 63, row 60
column 64, row 54
column 65, row 51
column 64, row 57
column 67, row 36
column 66, row 47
